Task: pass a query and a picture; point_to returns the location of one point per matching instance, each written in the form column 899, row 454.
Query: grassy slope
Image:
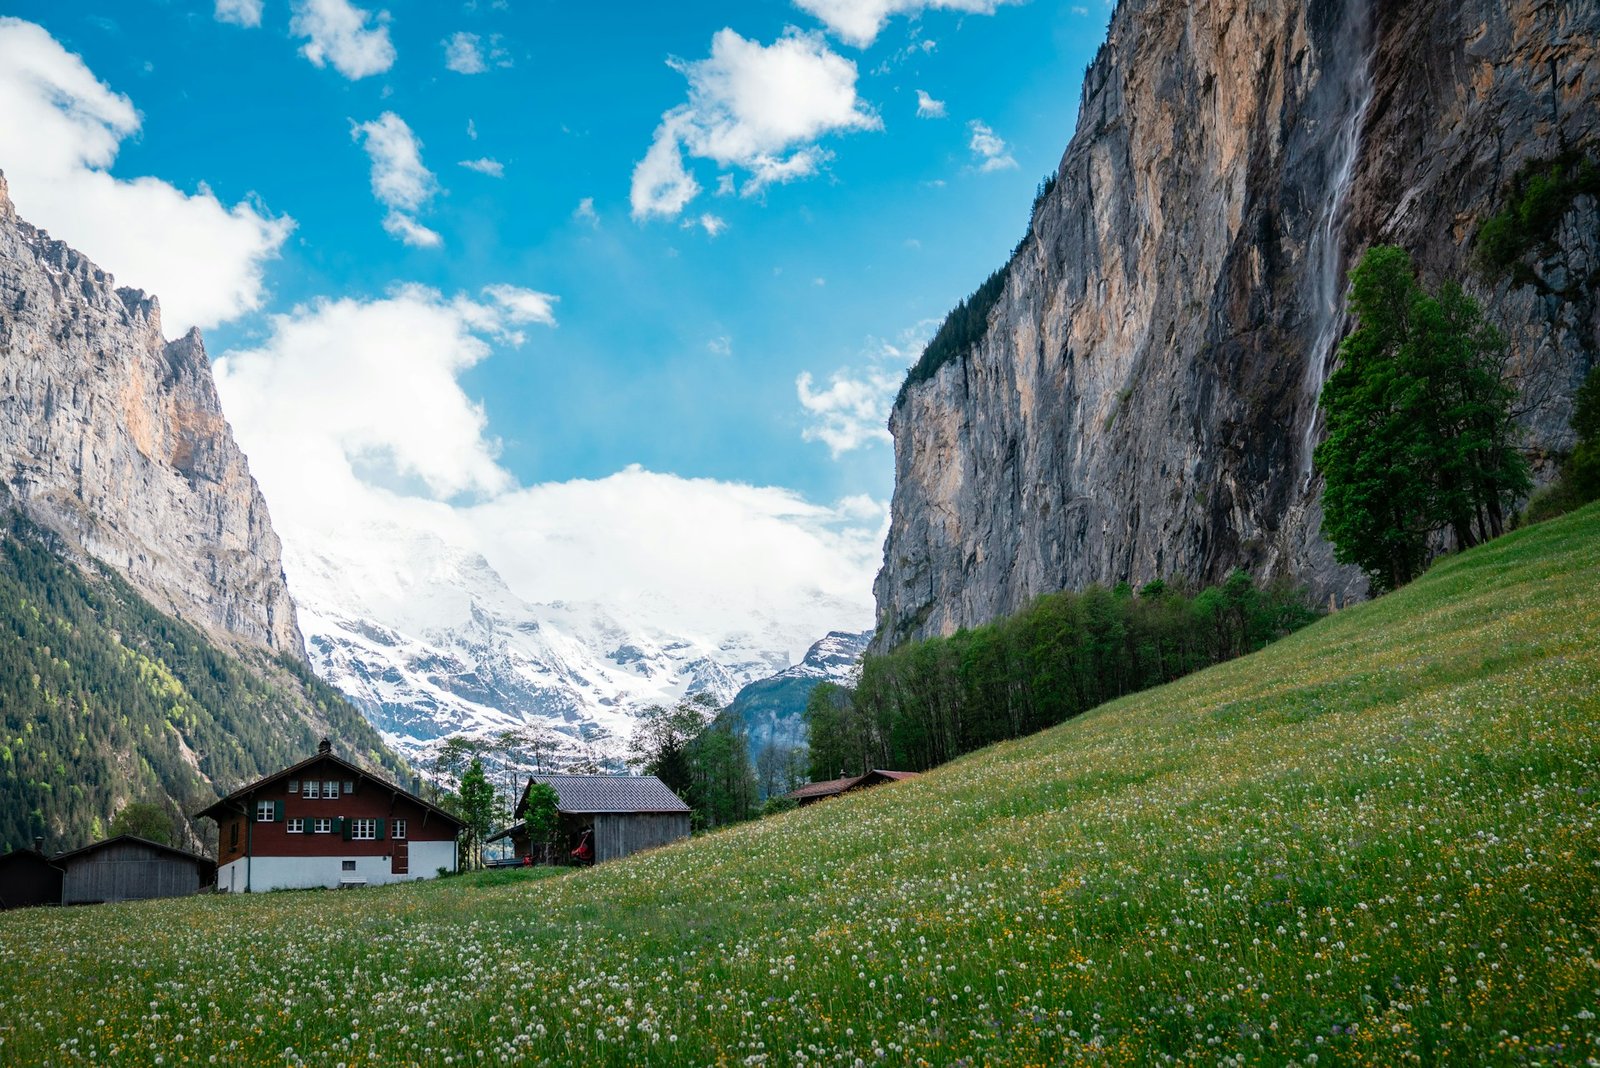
column 1376, row 842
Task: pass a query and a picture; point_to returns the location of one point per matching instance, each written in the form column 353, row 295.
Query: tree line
column 930, row 701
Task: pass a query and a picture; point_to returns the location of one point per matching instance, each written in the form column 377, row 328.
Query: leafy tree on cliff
column 1420, row 434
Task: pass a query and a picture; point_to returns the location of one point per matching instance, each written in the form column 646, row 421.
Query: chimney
column 38, row 843
column 324, row 747
column 416, row 784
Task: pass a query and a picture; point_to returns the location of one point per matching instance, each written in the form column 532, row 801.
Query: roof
column 848, row 782
column 17, row 855
column 95, row 847
column 234, row 802
column 609, row 793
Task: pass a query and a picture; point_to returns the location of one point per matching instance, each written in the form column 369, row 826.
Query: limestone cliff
column 114, row 438
column 1142, row 402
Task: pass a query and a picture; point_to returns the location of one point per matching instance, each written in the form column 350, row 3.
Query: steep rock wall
column 1143, row 402
column 114, row 438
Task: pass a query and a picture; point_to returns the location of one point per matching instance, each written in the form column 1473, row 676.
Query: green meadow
column 1376, row 842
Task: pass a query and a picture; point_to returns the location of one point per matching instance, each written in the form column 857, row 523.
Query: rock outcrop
column 1142, row 403
column 114, row 438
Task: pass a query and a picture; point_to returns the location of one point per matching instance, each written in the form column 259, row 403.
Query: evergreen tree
column 1420, row 438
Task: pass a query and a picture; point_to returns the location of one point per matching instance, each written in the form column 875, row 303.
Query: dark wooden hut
column 28, row 878
column 624, row 813
column 813, row 792
column 129, row 868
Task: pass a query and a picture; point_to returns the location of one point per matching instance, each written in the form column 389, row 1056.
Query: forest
column 930, row 701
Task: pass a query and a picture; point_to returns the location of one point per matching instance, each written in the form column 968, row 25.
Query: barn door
column 400, row 857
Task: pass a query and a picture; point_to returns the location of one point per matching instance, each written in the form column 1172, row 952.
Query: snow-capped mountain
column 429, row 640
column 772, row 706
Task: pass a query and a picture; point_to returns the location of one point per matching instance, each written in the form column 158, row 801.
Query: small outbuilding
column 813, row 792
column 27, row 878
column 130, row 868
column 623, row 813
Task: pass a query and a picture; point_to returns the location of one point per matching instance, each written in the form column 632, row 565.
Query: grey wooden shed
column 130, row 868
column 626, row 813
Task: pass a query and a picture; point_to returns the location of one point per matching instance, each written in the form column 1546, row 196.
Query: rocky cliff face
column 113, row 437
column 1143, row 401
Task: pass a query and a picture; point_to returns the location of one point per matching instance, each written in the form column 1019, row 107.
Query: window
column 349, row 865
column 294, row 786
column 330, row 789
column 233, row 838
column 399, row 828
column 297, row 826
column 266, row 811
column 313, row 790
column 363, row 830
column 349, row 787
column 322, row 825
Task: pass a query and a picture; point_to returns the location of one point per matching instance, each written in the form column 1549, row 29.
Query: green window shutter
column 380, row 829
column 342, row 825
column 277, row 813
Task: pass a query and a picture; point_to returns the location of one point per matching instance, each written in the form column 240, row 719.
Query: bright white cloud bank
column 355, row 424
column 351, row 40
column 239, row 12
column 399, row 179
column 758, row 108
column 858, row 22
column 60, row 128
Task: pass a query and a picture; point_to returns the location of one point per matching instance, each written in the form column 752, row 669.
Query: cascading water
column 1324, row 256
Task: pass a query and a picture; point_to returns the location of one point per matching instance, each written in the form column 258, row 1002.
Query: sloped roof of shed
column 611, row 793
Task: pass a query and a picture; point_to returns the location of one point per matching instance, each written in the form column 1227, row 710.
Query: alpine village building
column 623, row 814
column 813, row 792
column 326, row 822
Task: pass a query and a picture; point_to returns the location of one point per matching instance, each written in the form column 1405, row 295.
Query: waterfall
column 1323, row 259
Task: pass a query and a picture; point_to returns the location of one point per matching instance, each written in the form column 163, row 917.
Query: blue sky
column 669, row 337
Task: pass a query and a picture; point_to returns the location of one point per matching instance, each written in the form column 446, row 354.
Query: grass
column 1375, row 842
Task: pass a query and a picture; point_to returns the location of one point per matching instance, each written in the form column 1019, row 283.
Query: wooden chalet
column 27, row 878
column 625, row 814
column 326, row 822
column 813, row 792
column 130, row 868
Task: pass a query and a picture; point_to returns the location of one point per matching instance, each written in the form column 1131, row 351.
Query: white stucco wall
column 259, row 874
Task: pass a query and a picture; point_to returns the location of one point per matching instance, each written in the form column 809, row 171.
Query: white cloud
column 492, row 167
column 342, row 387
column 463, row 55
column 852, row 411
column 585, row 212
column 721, row 345
column 400, row 181
column 988, row 147
column 339, row 33
column 239, row 12
column 759, row 108
column 472, row 130
column 399, row 225
column 60, row 135
column 359, row 432
column 711, row 224
column 928, row 107
column 857, row 22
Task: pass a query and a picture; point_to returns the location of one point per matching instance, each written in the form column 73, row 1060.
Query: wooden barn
column 624, row 813
column 813, row 792
column 27, row 877
column 129, row 868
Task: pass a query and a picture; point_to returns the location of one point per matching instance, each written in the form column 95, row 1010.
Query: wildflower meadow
column 1377, row 842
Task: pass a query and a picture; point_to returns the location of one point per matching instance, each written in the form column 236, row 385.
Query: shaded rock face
column 1143, row 402
column 114, row 438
